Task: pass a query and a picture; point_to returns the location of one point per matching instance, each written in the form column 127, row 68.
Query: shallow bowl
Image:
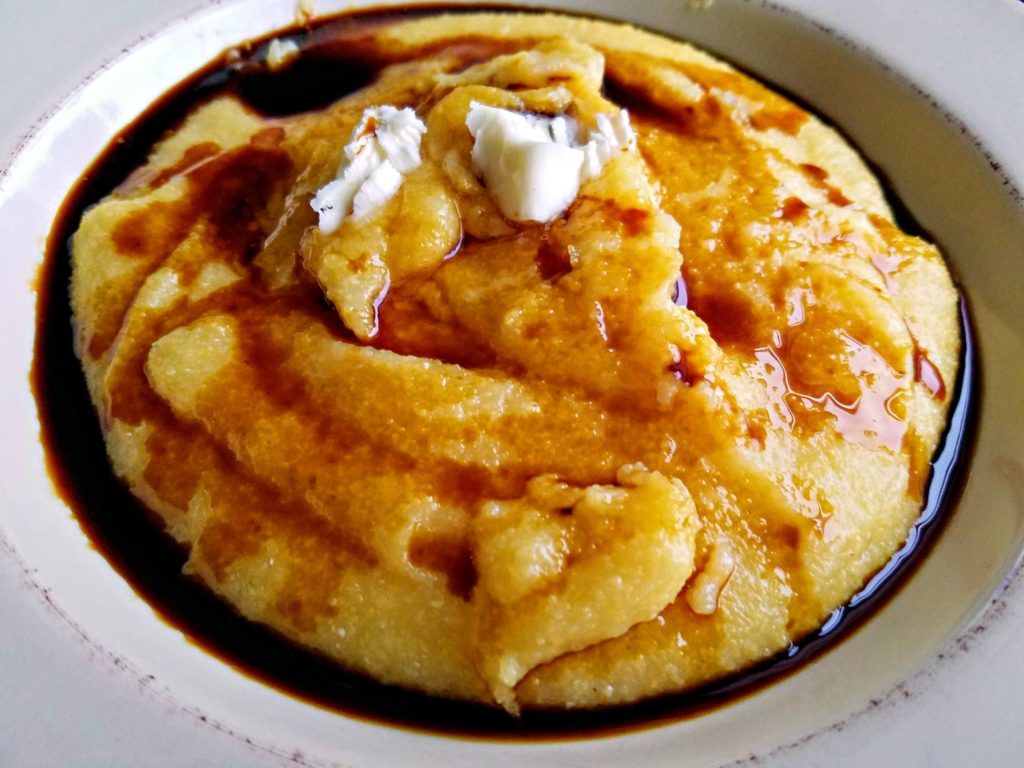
column 931, row 679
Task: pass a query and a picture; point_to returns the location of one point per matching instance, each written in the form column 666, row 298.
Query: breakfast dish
column 559, row 366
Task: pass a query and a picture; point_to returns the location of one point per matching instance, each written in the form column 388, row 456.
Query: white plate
column 933, row 93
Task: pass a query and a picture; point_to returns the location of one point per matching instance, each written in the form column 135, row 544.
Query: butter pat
column 533, row 165
column 613, row 134
column 384, row 146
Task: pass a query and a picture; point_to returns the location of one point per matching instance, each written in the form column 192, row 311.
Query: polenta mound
column 567, row 465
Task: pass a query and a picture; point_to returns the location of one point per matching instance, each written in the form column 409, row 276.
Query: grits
column 567, row 464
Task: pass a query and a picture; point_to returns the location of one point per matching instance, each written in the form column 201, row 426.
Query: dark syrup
column 335, row 62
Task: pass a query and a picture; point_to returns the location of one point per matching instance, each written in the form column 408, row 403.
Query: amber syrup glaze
column 131, row 539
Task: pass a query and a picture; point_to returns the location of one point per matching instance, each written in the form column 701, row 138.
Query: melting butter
column 385, row 146
column 532, row 165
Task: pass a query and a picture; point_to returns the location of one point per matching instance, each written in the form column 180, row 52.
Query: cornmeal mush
column 563, row 367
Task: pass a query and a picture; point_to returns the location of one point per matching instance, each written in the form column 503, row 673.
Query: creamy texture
column 570, row 463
